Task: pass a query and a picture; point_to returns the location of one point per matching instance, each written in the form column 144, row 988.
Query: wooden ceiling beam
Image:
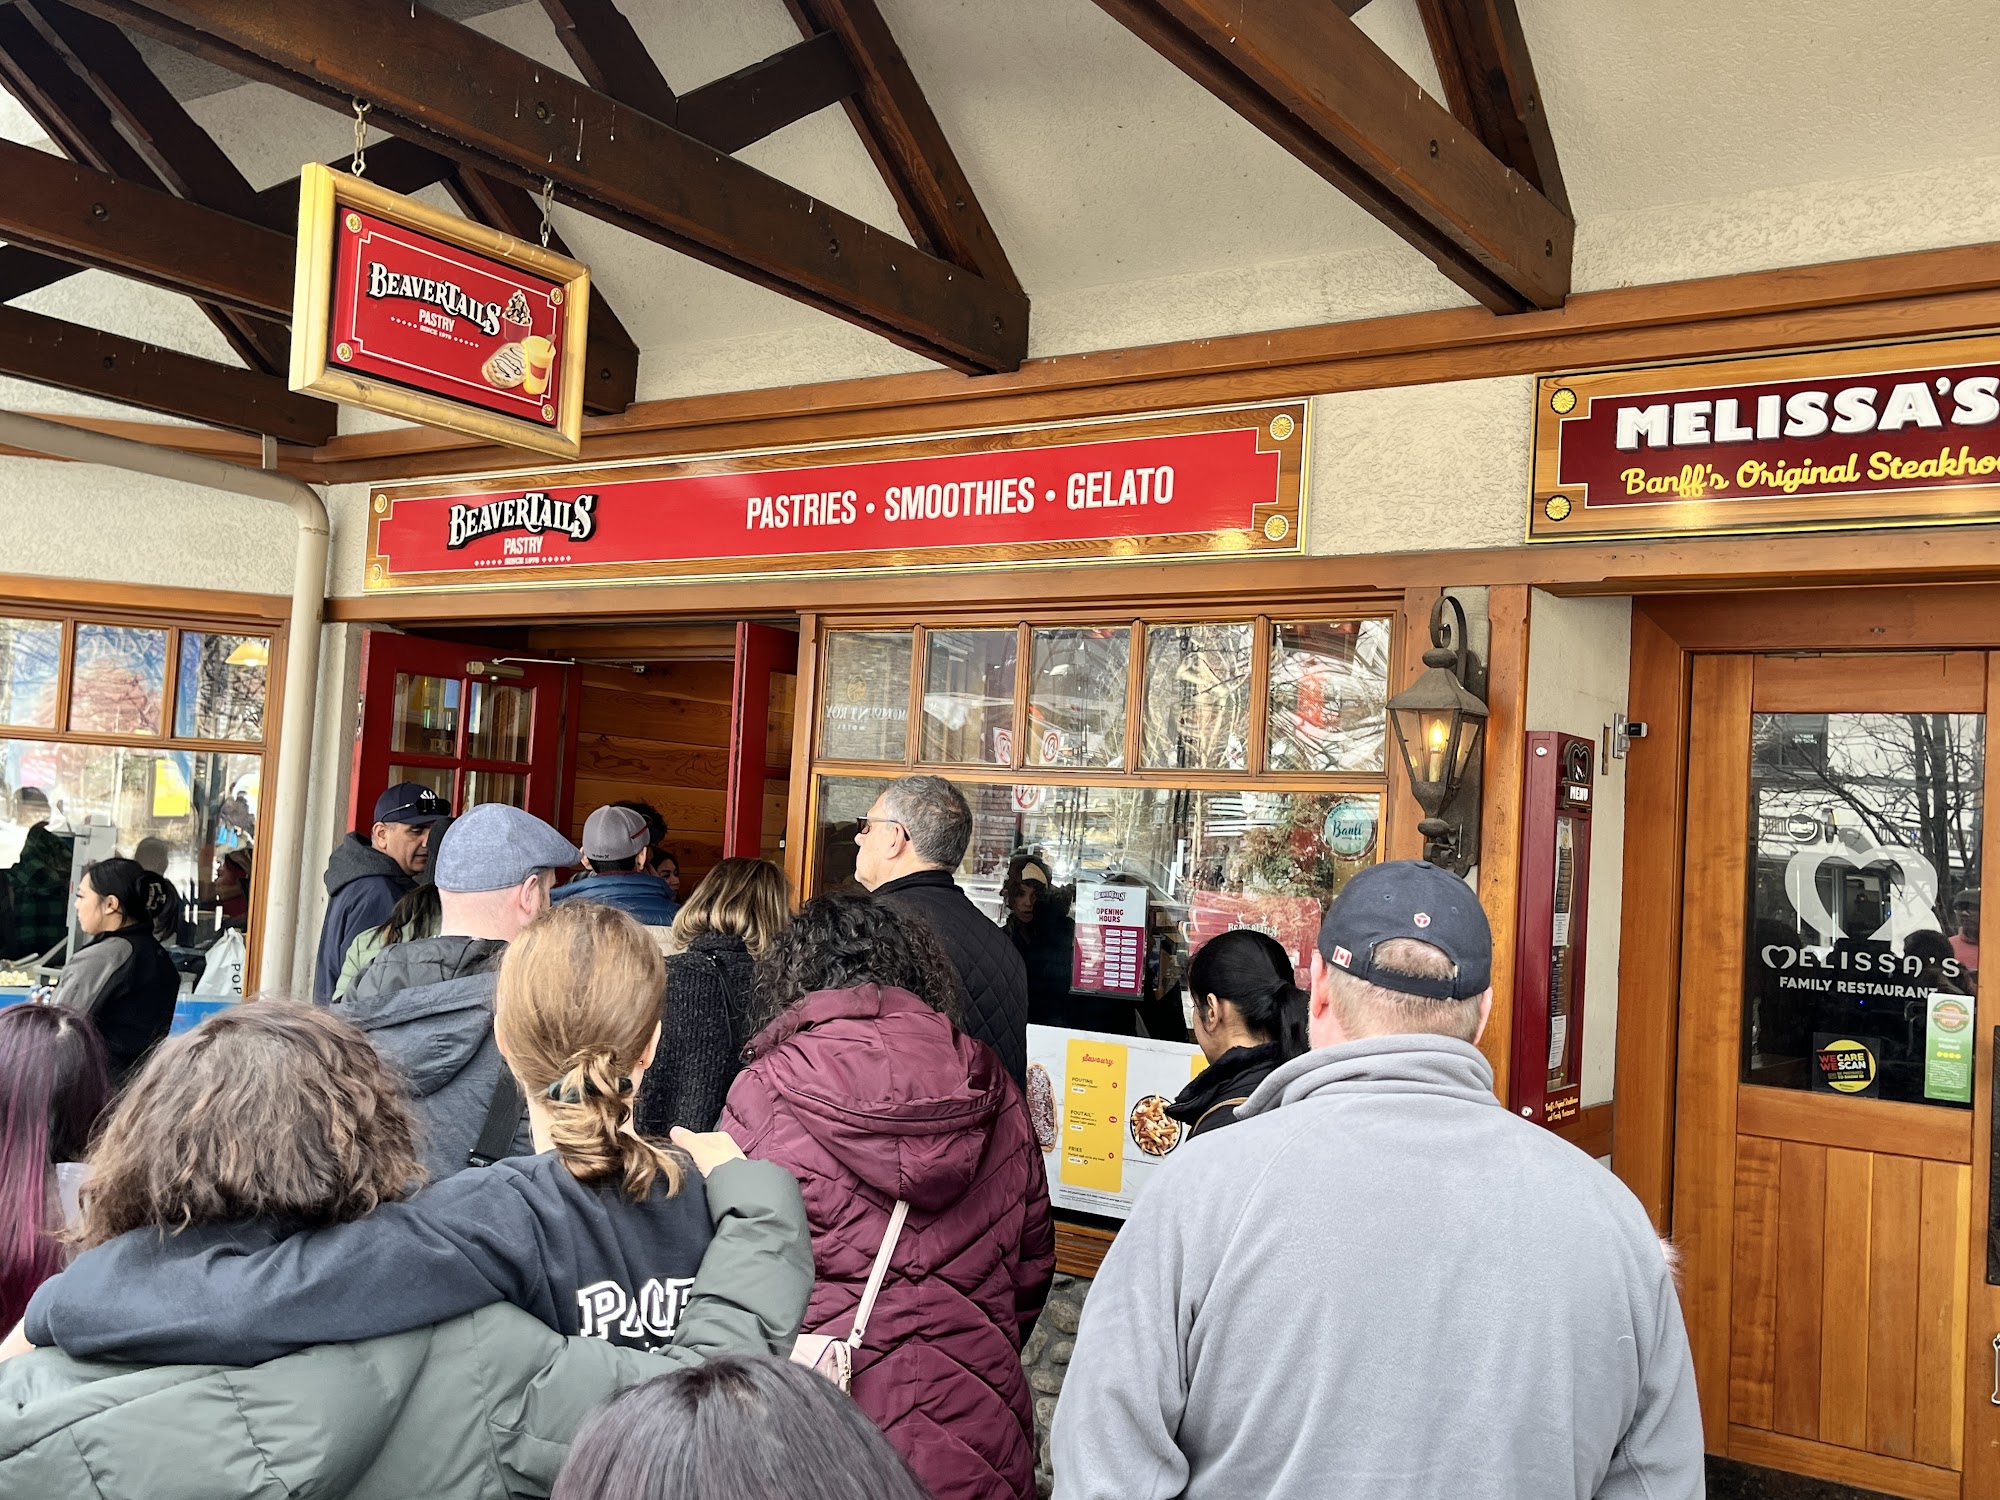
column 1303, row 73
column 67, row 210
column 608, row 52
column 111, row 367
column 743, row 107
column 896, row 124
column 71, row 109
column 1489, row 81
column 437, row 81
column 611, row 354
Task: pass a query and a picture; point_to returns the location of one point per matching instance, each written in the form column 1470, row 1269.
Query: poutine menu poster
column 1099, row 1108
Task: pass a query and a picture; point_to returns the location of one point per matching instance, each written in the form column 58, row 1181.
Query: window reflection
column 219, row 691
column 969, row 696
column 867, row 695
column 30, row 666
column 1076, row 697
column 1197, row 701
column 1864, row 894
column 1329, row 692
column 119, row 684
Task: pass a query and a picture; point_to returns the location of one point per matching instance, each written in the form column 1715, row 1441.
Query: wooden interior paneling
column 1889, row 682
column 1712, row 962
column 1754, row 1286
column 1843, row 1350
column 1893, row 1254
column 1943, row 1252
column 1848, row 1467
column 1801, row 1253
column 662, row 737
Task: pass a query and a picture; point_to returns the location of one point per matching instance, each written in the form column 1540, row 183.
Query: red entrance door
column 767, row 658
column 471, row 728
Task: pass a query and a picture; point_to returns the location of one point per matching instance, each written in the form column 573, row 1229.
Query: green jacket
column 478, row 1408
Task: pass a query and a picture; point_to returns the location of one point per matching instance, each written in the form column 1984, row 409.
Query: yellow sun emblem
column 1557, row 508
column 1563, row 401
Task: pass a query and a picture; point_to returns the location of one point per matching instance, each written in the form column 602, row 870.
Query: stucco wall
column 1579, row 665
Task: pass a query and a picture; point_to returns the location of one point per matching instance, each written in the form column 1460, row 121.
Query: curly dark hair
column 838, row 942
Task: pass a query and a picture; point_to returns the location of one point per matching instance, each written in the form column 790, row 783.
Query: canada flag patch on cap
column 1342, row 957
column 1421, row 919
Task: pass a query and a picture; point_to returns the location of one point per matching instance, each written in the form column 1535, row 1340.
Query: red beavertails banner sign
column 1188, row 485
column 1885, row 436
column 405, row 310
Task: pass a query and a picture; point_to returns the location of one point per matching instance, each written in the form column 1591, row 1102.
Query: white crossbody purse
column 832, row 1357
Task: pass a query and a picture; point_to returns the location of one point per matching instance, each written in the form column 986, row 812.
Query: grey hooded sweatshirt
column 1380, row 1283
column 427, row 1005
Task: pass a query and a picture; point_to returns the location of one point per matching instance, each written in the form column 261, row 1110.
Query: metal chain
column 360, row 163
column 548, row 198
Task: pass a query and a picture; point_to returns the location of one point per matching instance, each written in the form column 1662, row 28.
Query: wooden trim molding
column 1500, row 814
column 1880, row 1125
column 1589, row 1129
column 1080, row 1248
column 186, row 607
column 1844, row 1466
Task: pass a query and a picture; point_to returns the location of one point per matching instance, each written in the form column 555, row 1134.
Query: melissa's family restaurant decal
column 1188, row 485
column 405, row 310
column 1099, row 1106
column 1901, row 435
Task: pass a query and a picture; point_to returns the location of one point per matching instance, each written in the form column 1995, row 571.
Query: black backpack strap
column 503, row 1120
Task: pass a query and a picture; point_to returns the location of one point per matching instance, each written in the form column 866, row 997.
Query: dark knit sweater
column 704, row 1023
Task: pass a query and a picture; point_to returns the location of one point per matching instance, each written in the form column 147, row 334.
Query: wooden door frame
column 1668, row 632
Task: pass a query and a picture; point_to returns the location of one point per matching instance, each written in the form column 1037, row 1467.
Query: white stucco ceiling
column 1697, row 138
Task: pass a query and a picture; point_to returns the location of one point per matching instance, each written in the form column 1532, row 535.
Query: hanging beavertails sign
column 420, row 314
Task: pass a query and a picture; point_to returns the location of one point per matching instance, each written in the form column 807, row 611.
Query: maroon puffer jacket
column 868, row 1095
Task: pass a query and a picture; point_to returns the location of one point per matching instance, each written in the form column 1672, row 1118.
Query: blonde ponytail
column 578, row 1004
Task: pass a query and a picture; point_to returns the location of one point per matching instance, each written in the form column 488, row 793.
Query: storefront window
column 125, row 764
column 1329, row 689
column 496, row 725
column 1863, row 949
column 220, row 690
column 426, row 715
column 30, row 667
column 1076, row 697
column 1197, row 698
column 119, row 680
column 867, row 696
column 969, row 696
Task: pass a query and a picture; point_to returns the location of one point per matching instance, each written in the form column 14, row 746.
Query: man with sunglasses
column 910, row 842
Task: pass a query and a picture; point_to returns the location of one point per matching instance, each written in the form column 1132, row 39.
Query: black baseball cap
column 1410, row 898
column 411, row 802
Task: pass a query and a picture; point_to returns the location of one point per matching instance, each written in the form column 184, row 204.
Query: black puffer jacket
column 124, row 982
column 989, row 966
column 703, row 1026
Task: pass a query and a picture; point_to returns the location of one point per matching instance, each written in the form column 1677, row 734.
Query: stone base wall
column 1046, row 1358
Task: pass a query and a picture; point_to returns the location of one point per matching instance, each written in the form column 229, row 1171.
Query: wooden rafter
column 111, row 367
column 502, row 112
column 76, row 116
column 610, row 55
column 901, row 133
column 1308, row 77
column 1489, row 82
column 745, row 106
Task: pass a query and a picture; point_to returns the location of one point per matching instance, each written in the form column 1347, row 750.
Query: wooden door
column 1834, row 1091
column 469, row 727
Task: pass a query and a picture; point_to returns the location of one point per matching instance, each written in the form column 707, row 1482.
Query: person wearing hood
column 618, row 853
column 905, row 1132
column 1249, row 1017
column 365, row 878
column 427, row 1004
column 1435, row 1296
column 417, row 915
column 39, row 881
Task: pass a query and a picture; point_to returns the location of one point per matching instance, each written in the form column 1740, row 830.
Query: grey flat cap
column 495, row 846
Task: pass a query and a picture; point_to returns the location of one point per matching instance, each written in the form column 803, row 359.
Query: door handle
column 1996, row 1369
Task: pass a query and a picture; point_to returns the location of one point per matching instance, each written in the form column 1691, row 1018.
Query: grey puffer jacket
column 427, row 1005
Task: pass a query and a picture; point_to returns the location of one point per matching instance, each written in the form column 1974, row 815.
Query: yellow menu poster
column 1093, row 1142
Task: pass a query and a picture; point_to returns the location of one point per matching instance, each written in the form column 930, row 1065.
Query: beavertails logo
column 446, row 296
column 533, row 513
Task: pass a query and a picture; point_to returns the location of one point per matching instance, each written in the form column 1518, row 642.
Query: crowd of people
column 586, row 1191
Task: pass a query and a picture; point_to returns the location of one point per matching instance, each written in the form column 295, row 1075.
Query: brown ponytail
column 579, row 999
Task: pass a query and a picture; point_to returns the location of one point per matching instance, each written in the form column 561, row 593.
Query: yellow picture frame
column 323, row 194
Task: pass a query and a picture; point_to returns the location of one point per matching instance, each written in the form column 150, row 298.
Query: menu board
column 1099, row 1107
column 1110, row 953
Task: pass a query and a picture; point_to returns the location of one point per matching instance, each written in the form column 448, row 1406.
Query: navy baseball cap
column 411, row 802
column 1410, row 898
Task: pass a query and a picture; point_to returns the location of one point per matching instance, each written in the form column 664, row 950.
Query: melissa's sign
column 1192, row 484
column 405, row 310
column 1902, row 435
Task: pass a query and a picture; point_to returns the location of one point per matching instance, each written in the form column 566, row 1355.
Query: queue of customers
column 252, row 1238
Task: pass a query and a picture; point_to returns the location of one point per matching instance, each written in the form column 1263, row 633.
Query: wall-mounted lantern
column 1439, row 726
